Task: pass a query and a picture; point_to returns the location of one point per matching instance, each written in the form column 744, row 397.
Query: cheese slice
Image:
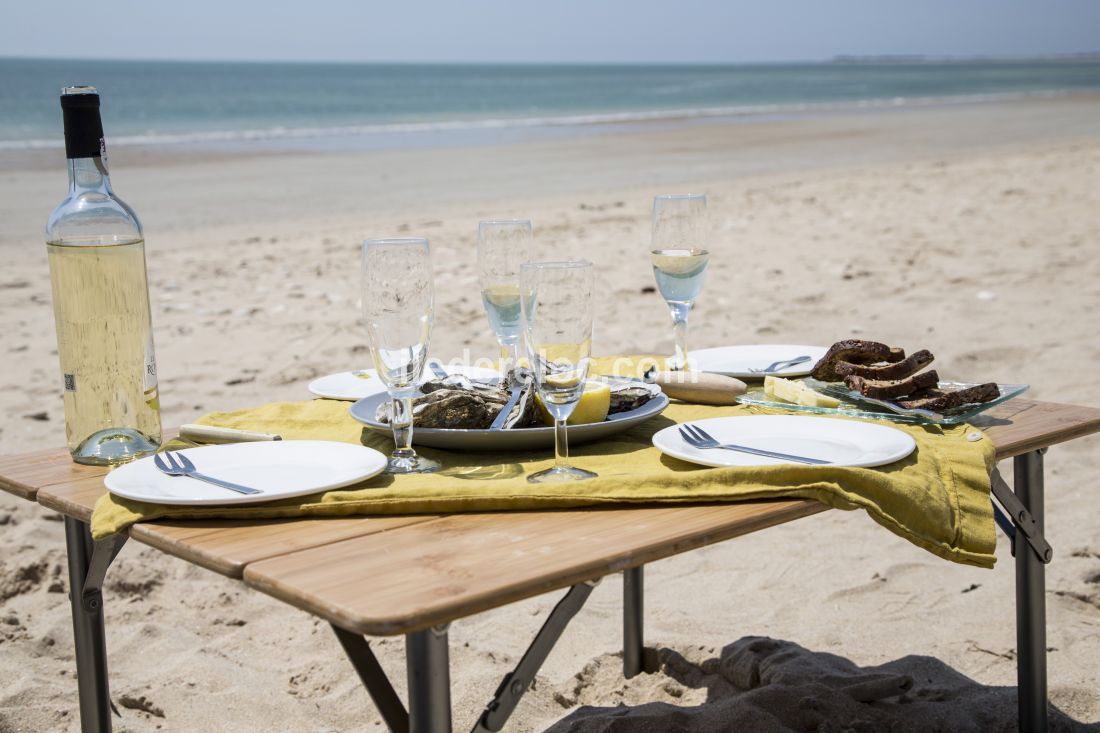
column 796, row 393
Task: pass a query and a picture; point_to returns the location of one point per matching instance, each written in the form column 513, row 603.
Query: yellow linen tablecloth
column 937, row 498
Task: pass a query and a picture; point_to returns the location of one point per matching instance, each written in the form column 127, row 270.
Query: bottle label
column 150, row 376
column 152, row 395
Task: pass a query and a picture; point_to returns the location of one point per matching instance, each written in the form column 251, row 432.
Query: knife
column 701, row 388
column 211, row 434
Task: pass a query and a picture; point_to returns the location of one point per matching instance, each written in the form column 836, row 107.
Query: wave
column 576, row 120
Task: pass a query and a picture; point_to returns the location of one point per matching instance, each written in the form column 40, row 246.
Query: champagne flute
column 502, row 246
column 556, row 314
column 397, row 308
column 679, row 255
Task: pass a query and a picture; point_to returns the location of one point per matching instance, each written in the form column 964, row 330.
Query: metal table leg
column 1031, row 629
column 429, row 681
column 87, row 565
column 633, row 641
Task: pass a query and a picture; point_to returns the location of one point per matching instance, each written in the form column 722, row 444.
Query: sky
column 536, row 31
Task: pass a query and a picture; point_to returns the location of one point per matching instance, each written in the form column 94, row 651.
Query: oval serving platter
column 483, row 440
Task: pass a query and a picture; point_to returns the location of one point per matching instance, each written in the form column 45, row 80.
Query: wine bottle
column 96, row 252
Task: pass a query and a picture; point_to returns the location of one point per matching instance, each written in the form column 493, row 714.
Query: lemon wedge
column 592, row 407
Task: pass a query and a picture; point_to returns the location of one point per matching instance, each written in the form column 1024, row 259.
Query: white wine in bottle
column 101, row 303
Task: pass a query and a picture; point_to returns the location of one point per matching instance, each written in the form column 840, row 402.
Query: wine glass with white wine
column 679, row 254
column 397, row 307
column 502, row 246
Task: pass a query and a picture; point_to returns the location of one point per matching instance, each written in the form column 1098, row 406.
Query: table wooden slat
column 434, row 572
column 226, row 546
column 24, row 474
column 74, row 498
column 1020, row 426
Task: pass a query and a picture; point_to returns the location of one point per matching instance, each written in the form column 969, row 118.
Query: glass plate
column 853, row 404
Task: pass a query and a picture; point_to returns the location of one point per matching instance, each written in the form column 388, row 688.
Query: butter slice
column 796, row 393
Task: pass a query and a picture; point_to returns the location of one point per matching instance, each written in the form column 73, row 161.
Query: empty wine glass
column 397, row 308
column 502, row 246
column 679, row 255
column 556, row 314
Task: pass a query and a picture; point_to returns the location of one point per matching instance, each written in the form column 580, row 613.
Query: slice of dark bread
column 896, row 354
column 889, row 389
column 854, row 351
column 898, row 370
column 939, row 400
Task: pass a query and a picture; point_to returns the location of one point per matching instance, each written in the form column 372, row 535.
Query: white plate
column 736, row 361
column 841, row 442
column 366, row 411
column 280, row 469
column 353, row 386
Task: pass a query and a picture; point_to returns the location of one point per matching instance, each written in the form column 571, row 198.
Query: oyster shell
column 452, row 408
column 446, row 407
column 459, row 382
column 524, row 414
column 627, row 395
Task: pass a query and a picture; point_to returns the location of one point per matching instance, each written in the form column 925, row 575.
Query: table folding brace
column 517, row 682
column 1018, row 520
column 429, row 674
column 88, row 563
column 374, row 679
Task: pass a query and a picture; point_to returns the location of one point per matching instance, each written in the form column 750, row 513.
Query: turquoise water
column 245, row 104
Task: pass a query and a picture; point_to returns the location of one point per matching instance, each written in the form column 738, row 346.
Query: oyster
column 459, row 382
column 453, row 408
column 630, row 395
column 447, row 407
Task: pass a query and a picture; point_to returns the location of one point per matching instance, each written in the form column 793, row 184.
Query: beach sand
column 969, row 230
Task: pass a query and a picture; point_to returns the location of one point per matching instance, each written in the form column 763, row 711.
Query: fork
column 699, row 438
column 175, row 464
column 776, row 366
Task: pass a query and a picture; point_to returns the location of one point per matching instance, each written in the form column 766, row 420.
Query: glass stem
column 680, row 313
column 511, row 357
column 561, row 445
column 402, row 424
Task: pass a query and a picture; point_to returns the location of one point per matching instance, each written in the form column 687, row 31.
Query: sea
column 235, row 105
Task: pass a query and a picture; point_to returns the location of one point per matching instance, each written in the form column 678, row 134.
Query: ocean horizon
column 245, row 105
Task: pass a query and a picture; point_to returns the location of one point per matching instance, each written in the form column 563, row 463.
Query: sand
column 970, row 230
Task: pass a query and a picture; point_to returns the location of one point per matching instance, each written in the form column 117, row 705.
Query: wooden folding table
column 414, row 575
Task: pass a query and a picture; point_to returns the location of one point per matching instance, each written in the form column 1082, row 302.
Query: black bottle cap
column 83, row 126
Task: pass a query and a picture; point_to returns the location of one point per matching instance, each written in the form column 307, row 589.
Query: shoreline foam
column 751, row 112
